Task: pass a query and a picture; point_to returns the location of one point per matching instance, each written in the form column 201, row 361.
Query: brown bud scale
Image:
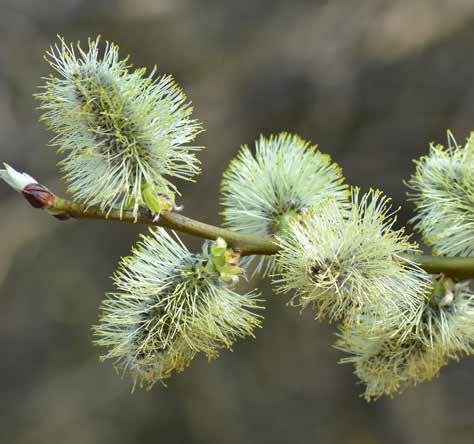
column 39, row 196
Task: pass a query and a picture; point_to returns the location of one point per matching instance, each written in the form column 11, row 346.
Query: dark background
column 372, row 82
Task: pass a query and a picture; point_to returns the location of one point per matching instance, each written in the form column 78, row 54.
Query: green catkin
column 172, row 304
column 443, row 192
column 342, row 261
column 287, row 176
column 121, row 130
column 388, row 362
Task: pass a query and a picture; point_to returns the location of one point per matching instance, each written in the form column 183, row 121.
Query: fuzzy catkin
column 120, row 129
column 287, row 176
column 388, row 362
column 442, row 189
column 342, row 261
column 170, row 305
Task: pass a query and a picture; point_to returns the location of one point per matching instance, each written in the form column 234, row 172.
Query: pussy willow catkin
column 443, row 192
column 171, row 304
column 388, row 361
column 340, row 260
column 286, row 177
column 122, row 131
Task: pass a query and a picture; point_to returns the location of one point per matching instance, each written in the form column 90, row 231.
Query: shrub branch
column 247, row 245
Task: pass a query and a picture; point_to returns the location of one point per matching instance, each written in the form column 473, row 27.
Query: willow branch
column 455, row 267
column 40, row 197
column 245, row 244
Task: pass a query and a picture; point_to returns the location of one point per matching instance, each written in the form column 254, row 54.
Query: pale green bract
column 287, row 176
column 120, row 130
column 343, row 261
column 443, row 192
column 169, row 306
column 388, row 362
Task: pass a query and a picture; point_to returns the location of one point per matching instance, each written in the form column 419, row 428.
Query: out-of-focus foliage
column 371, row 85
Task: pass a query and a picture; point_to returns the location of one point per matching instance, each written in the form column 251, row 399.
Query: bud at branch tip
column 36, row 194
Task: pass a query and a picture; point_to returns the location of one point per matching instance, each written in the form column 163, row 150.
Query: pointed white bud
column 18, row 181
column 447, row 299
column 221, row 243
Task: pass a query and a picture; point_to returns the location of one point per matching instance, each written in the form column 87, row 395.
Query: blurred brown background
column 372, row 82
